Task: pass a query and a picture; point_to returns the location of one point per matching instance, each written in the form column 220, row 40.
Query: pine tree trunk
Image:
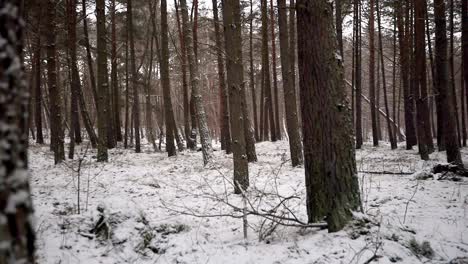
column 17, row 235
column 391, row 136
column 420, row 80
column 165, row 81
column 225, row 122
column 330, row 165
column 75, row 81
column 464, row 40
column 56, row 120
column 252, row 74
column 235, row 81
column 274, row 73
column 403, row 42
column 102, row 82
column 37, row 73
column 269, row 106
column 357, row 72
column 134, row 78
column 127, row 87
column 205, row 137
column 191, row 143
column 375, row 129
column 441, row 81
column 114, row 77
column 88, row 55
column 295, row 145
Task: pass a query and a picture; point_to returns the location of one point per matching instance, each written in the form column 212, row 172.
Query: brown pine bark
column 375, row 129
column 403, row 43
column 274, row 73
column 269, row 106
column 89, row 58
column 224, row 98
column 56, row 120
column 235, row 82
column 75, row 81
column 391, row 135
column 165, row 82
column 37, row 74
column 197, row 101
column 134, row 78
column 330, row 165
column 16, row 210
column 441, row 80
column 292, row 125
column 357, row 72
column 252, row 74
column 102, row 82
column 420, row 80
column 114, row 78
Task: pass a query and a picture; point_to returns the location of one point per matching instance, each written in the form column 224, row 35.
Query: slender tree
column 235, row 81
column 114, row 80
column 330, row 165
column 441, row 81
column 165, row 81
column 37, row 74
column 357, row 72
column 102, row 82
column 269, row 115
column 205, row 137
column 373, row 110
column 292, row 124
column 134, row 77
column 274, row 73
column 252, row 74
column 225, row 125
column 56, row 120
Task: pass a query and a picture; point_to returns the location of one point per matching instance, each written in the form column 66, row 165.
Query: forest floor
column 173, row 210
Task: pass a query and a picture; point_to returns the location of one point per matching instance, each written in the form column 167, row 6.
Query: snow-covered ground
column 174, row 210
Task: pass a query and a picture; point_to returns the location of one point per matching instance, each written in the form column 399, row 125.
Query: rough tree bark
column 17, row 236
column 224, row 98
column 441, row 81
column 165, row 82
column 56, row 120
column 102, row 82
column 292, row 124
column 134, row 77
column 269, row 116
column 235, row 81
column 330, row 165
column 205, row 137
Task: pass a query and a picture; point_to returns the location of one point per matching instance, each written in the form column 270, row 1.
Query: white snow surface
column 148, row 199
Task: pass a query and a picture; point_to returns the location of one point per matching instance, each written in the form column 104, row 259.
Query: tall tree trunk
column 330, row 165
column 114, row 81
column 269, row 108
column 75, row 81
column 357, row 72
column 274, row 73
column 464, row 26
column 295, row 145
column 252, row 74
column 205, row 137
column 339, row 26
column 191, row 143
column 37, row 73
column 235, row 82
column 441, row 81
column 17, row 238
column 403, row 43
column 127, row 87
column 102, row 82
column 420, row 80
column 88, row 55
column 391, row 136
column 134, row 79
column 452, row 70
column 373, row 110
column 165, row 82
column 56, row 120
column 225, row 122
